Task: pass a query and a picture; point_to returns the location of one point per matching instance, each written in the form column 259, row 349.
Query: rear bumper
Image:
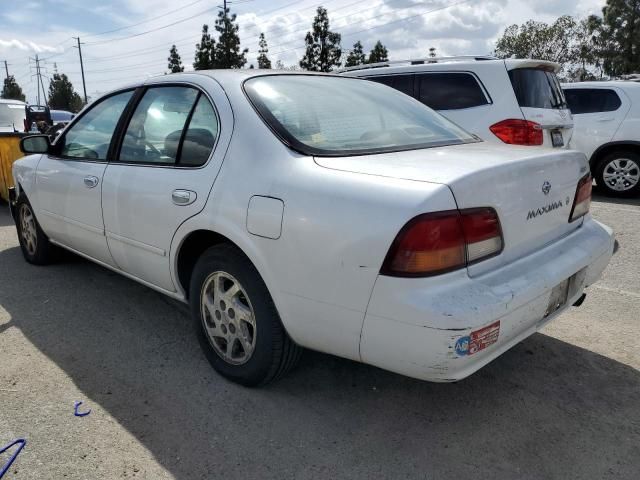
column 444, row 328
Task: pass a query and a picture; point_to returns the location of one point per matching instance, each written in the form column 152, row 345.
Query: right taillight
column 582, row 200
column 518, row 132
column 440, row 242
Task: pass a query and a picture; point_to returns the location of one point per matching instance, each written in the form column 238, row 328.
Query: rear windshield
column 536, row 88
column 12, row 115
column 331, row 116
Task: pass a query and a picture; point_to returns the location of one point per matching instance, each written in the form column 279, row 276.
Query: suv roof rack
column 420, row 61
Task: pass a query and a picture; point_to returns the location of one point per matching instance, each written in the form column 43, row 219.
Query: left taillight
column 439, row 242
column 582, row 199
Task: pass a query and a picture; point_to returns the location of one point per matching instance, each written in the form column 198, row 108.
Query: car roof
column 608, row 83
column 12, row 102
column 464, row 62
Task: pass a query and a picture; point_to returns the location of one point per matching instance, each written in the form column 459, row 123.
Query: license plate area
column 558, row 297
column 565, row 290
column 556, row 138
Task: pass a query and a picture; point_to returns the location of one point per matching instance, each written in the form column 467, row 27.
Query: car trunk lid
column 512, row 180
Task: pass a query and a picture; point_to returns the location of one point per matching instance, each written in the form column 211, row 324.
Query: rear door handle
column 90, row 181
column 605, row 119
column 183, row 197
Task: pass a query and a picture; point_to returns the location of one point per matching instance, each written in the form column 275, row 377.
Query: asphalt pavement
column 564, row 404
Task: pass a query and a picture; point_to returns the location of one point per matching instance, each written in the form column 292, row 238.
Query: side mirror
column 35, row 144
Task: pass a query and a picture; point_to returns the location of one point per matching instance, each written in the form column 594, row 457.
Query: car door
column 162, row 175
column 69, row 180
column 597, row 114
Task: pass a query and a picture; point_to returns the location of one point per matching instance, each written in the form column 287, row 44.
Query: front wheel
column 618, row 174
column 34, row 244
column 236, row 320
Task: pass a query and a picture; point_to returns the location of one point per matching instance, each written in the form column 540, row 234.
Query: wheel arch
column 607, row 148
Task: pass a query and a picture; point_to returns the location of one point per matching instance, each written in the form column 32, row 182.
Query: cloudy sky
column 130, row 39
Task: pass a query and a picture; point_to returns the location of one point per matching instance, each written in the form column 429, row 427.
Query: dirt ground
column 564, row 404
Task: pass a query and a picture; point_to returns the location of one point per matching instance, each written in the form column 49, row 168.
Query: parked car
column 607, row 130
column 12, row 116
column 518, row 102
column 320, row 211
column 61, row 116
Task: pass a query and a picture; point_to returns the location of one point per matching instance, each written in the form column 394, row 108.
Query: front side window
column 155, row 130
column 592, row 100
column 90, row 136
column 332, row 116
column 537, row 88
column 450, row 91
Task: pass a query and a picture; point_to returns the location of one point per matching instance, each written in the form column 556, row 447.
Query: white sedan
column 304, row 210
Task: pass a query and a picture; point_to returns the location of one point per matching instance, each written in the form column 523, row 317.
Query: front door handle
column 90, row 181
column 183, row 197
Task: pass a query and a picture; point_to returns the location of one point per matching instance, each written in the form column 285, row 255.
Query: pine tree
column 432, row 52
column 175, row 62
column 204, row 58
column 11, row 90
column 263, row 60
column 379, row 53
column 228, row 54
column 62, row 96
column 323, row 46
column 356, row 56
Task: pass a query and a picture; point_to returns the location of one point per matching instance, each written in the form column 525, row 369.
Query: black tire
column 274, row 353
column 605, row 166
column 43, row 252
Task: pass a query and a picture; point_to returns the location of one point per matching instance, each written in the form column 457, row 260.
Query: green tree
column 263, row 60
column 175, row 62
column 228, row 54
column 432, row 52
column 323, row 50
column 620, row 41
column 204, row 58
column 356, row 56
column 62, row 96
column 539, row 40
column 11, row 90
column 379, row 53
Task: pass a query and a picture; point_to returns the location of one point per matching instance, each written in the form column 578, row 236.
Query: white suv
column 607, row 130
column 513, row 101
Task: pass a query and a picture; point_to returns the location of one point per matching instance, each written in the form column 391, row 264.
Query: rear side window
column 450, row 91
column 592, row 100
column 536, row 88
column 404, row 83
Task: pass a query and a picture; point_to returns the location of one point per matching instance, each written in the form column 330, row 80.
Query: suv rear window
column 592, row 100
column 536, row 88
column 335, row 116
column 450, row 91
column 404, row 83
column 12, row 115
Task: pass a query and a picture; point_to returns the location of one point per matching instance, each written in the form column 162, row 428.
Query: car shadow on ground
column 5, row 220
column 602, row 197
column 546, row 409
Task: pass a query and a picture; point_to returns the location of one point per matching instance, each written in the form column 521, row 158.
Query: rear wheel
column 236, row 321
column 618, row 174
column 36, row 247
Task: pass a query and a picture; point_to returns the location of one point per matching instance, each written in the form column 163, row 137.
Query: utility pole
column 6, row 68
column 38, row 77
column 84, row 85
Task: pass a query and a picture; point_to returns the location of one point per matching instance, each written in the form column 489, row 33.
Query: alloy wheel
column 28, row 229
column 228, row 318
column 621, row 174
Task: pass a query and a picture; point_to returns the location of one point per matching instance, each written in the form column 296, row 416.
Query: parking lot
column 563, row 404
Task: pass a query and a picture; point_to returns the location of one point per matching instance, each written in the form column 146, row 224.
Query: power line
column 144, row 21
